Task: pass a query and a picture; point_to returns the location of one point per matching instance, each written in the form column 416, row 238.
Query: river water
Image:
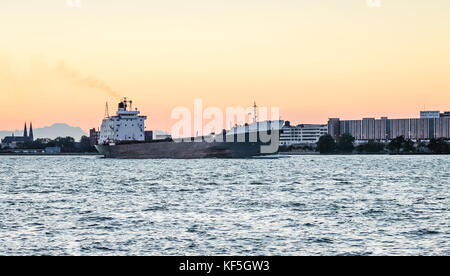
column 300, row 205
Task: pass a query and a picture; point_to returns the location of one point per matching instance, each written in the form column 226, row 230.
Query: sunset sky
column 314, row 59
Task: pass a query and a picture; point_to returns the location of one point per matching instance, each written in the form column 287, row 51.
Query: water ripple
column 303, row 205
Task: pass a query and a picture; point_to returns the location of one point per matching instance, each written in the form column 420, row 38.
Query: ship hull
column 181, row 150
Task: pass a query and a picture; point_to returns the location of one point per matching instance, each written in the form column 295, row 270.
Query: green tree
column 85, row 144
column 371, row 147
column 326, row 144
column 345, row 142
column 67, row 144
column 439, row 146
column 422, row 147
column 36, row 144
column 285, row 148
column 396, row 144
column 408, row 146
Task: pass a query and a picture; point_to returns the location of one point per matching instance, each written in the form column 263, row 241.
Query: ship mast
column 106, row 111
column 255, row 114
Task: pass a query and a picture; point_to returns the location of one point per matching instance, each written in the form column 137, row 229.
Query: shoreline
column 378, row 153
column 280, row 153
column 49, row 154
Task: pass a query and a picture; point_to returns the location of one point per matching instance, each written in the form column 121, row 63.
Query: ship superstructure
column 126, row 125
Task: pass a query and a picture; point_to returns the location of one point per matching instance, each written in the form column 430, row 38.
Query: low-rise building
column 301, row 134
column 52, row 150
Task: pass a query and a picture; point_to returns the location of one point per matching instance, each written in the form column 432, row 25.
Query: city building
column 334, row 127
column 431, row 124
column 430, row 114
column 52, row 150
column 13, row 141
column 93, row 136
column 301, row 134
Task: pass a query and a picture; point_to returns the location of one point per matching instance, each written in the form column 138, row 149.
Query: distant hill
column 51, row 132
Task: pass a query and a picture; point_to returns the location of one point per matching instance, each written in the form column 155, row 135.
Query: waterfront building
column 52, row 150
column 334, row 127
column 93, row 136
column 430, row 114
column 13, row 141
column 431, row 124
column 301, row 134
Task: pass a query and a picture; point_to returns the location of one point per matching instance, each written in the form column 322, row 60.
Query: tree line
column 67, row 144
column 345, row 144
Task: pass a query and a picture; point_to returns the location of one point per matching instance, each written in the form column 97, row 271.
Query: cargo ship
column 124, row 136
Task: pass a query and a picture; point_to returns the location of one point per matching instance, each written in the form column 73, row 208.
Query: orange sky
column 314, row 59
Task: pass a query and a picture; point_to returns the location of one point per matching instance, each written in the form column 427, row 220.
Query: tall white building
column 302, row 134
column 127, row 125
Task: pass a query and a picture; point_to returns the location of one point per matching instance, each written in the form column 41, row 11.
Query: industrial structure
column 431, row 124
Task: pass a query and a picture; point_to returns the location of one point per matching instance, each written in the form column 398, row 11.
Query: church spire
column 31, row 137
column 25, row 133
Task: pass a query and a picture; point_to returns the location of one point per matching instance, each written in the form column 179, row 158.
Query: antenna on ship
column 255, row 114
column 106, row 110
